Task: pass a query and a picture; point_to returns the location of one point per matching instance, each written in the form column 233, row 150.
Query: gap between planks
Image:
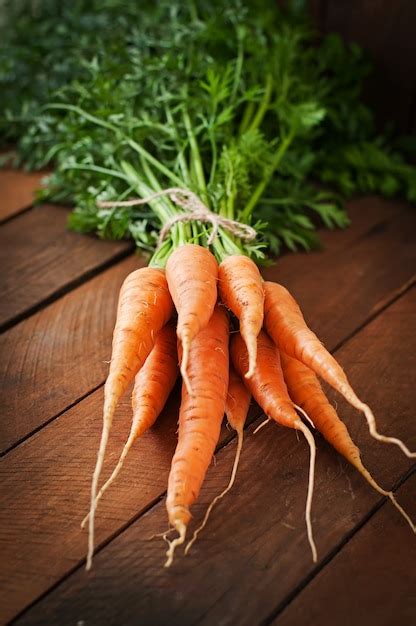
column 401, row 291
column 251, row 423
column 372, row 314
column 285, row 603
column 64, row 289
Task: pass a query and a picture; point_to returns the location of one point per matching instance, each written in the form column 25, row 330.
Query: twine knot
column 194, row 209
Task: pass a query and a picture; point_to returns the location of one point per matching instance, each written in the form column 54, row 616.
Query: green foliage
column 239, row 102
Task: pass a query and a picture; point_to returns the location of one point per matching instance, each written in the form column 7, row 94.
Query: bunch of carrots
column 218, row 118
column 179, row 319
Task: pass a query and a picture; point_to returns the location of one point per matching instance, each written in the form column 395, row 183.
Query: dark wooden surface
column 386, row 29
column 17, row 191
column 252, row 565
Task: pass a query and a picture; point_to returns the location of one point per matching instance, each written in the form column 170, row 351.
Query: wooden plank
column 60, row 460
column 17, row 191
column 53, row 471
column 68, row 341
column 357, row 587
column 368, row 270
column 58, row 355
column 254, row 550
column 386, row 29
column 40, row 257
column 33, row 452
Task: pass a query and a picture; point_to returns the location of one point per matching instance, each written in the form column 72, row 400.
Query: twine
column 194, row 209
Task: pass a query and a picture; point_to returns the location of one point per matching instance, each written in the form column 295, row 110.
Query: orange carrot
column 152, row 388
column 200, row 418
column 192, row 274
column 268, row 388
column 285, row 324
column 144, row 307
column 236, row 409
column 241, row 290
column 306, row 391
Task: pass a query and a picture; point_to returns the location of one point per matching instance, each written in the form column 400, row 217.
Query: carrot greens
column 240, row 102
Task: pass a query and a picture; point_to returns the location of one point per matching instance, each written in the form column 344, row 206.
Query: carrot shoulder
column 241, row 289
column 192, row 274
column 200, row 418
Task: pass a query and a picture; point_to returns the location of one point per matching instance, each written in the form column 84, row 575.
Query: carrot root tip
column 389, row 494
column 305, row 415
column 262, row 425
column 219, row 497
column 369, row 415
column 113, row 476
column 181, row 529
column 107, row 420
column 353, row 399
column 312, row 447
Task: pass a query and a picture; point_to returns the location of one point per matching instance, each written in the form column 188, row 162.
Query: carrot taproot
column 241, row 290
column 268, row 388
column 192, row 274
column 236, row 410
column 200, row 418
column 152, row 387
column 144, row 307
column 305, row 390
column 238, row 401
column 286, row 325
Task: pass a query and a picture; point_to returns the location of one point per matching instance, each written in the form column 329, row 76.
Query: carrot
column 268, row 388
column 144, row 307
column 285, row 324
column 152, row 388
column 241, row 290
column 306, row 391
column 236, row 409
column 192, row 274
column 200, row 420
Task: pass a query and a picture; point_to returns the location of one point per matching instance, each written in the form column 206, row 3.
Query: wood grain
column 17, row 191
column 75, row 431
column 51, row 474
column 69, row 341
column 56, row 464
column 40, row 257
column 58, row 355
column 357, row 587
column 254, row 551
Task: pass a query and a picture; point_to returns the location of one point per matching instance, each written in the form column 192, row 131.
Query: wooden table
column 252, row 565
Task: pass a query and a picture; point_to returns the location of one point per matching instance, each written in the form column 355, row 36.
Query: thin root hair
column 309, row 438
column 223, row 493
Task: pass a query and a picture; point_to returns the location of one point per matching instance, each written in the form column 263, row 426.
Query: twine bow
column 194, row 209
